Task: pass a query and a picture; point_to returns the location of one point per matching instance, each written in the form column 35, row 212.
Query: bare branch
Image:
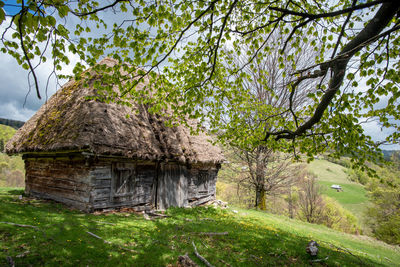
column 330, row 14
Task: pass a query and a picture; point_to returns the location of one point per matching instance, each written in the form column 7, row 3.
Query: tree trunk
column 263, row 199
column 290, row 202
column 260, row 187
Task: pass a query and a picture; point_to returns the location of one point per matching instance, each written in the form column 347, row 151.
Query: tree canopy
column 186, row 48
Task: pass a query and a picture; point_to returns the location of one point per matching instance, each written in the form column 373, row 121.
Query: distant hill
column 387, row 154
column 12, row 123
column 6, row 132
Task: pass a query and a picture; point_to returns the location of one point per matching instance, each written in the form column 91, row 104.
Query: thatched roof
column 71, row 122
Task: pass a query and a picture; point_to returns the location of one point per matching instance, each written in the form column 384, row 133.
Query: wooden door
column 172, row 186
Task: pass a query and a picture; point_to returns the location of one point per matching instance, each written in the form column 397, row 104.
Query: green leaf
column 2, row 15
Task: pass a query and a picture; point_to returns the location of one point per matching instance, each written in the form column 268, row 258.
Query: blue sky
column 12, row 7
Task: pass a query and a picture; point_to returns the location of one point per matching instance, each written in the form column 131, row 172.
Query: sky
column 17, row 102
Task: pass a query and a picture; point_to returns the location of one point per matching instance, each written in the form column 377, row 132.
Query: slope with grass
column 6, row 132
column 12, row 171
column 353, row 197
column 54, row 235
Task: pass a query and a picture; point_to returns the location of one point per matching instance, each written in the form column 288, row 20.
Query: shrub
column 358, row 176
column 336, row 217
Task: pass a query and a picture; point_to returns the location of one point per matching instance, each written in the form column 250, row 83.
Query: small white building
column 336, row 186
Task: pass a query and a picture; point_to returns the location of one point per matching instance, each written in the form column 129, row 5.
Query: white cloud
column 17, row 101
column 378, row 133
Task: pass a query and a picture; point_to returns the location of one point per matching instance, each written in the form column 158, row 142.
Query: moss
column 44, row 133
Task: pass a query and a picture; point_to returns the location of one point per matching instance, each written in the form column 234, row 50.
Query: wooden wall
column 123, row 184
column 202, row 184
column 91, row 184
column 172, row 186
column 65, row 180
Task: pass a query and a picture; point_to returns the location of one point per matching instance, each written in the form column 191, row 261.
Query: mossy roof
column 70, row 121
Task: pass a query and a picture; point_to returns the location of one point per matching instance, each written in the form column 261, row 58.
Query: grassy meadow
column 353, row 197
column 57, row 235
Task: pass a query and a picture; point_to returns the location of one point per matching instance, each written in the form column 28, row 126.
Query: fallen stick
column 28, row 226
column 108, row 242
column 23, row 254
column 201, row 257
column 98, row 237
column 213, row 233
column 319, row 260
column 105, row 222
column 224, row 262
column 157, row 214
column 21, row 225
column 346, row 250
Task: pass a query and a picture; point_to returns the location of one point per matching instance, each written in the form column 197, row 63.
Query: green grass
column 353, row 197
column 351, row 194
column 329, row 172
column 253, row 239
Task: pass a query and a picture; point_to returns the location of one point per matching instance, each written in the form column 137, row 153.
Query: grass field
column 60, row 236
column 329, row 172
column 353, row 197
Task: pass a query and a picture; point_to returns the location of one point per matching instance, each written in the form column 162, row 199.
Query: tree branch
column 330, row 14
column 338, row 66
column 94, row 11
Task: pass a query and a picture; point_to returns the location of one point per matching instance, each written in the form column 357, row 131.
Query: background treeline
column 12, row 173
column 12, row 123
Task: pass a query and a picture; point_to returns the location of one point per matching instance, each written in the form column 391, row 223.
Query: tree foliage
column 266, row 85
column 186, row 46
column 384, row 213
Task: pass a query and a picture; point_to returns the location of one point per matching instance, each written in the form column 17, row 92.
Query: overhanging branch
column 338, row 66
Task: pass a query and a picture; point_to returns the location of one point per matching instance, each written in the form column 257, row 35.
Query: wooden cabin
column 94, row 155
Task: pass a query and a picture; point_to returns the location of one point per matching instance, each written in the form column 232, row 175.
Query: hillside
column 6, row 132
column 50, row 234
column 11, row 167
column 353, row 197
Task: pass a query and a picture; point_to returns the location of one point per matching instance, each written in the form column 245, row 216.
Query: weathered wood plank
column 60, row 193
column 172, row 186
column 101, row 173
column 102, row 184
column 87, row 185
column 101, row 193
column 61, row 183
column 84, row 206
column 136, row 207
column 201, row 201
